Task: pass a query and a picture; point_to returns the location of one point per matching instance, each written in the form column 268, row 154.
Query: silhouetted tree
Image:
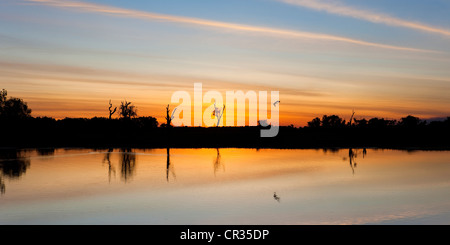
column 13, row 108
column 3, row 95
column 168, row 117
column 361, row 123
column 111, row 112
column 218, row 113
column 381, row 123
column 315, row 123
column 410, row 122
column 127, row 110
column 146, row 122
column 351, row 118
column 332, row 121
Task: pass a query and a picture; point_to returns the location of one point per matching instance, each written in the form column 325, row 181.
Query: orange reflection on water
column 227, row 186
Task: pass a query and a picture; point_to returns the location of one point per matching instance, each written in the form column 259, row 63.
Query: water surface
column 224, row 186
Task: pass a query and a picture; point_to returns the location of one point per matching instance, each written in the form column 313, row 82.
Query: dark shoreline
column 426, row 138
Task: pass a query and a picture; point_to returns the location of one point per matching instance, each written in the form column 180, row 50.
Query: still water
column 224, row 186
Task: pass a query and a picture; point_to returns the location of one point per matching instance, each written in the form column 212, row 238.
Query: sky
column 380, row 58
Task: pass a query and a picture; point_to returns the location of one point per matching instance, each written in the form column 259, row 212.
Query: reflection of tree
column 332, row 150
column 107, row 159
column 128, row 163
column 46, row 151
column 169, row 167
column 352, row 155
column 217, row 162
column 12, row 166
column 13, row 108
column 2, row 186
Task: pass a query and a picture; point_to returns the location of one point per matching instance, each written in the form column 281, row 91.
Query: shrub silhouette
column 315, row 123
column 127, row 110
column 411, row 122
column 332, row 121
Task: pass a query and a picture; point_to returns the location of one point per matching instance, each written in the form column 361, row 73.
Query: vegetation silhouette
column 126, row 110
column 111, row 112
column 168, row 117
column 13, row 108
column 130, row 131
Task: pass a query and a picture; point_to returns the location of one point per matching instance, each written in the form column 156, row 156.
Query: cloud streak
column 343, row 10
column 218, row 25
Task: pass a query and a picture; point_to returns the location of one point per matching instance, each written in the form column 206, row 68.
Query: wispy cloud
column 344, row 10
column 105, row 9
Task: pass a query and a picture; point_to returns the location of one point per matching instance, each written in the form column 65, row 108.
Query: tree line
column 334, row 121
column 13, row 109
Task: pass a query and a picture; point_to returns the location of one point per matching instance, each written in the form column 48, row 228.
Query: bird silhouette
column 276, row 197
column 276, row 103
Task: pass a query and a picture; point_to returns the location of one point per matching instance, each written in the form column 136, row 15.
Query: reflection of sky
column 315, row 188
column 70, row 60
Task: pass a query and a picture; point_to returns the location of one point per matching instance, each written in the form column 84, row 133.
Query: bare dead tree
column 351, row 118
column 218, row 113
column 168, row 117
column 111, row 112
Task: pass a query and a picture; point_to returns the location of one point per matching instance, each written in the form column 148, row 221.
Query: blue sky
column 382, row 58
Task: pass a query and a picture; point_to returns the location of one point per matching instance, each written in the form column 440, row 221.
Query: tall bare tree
column 111, row 112
column 169, row 117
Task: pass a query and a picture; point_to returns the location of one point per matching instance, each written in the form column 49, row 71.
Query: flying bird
column 276, row 103
column 276, row 197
